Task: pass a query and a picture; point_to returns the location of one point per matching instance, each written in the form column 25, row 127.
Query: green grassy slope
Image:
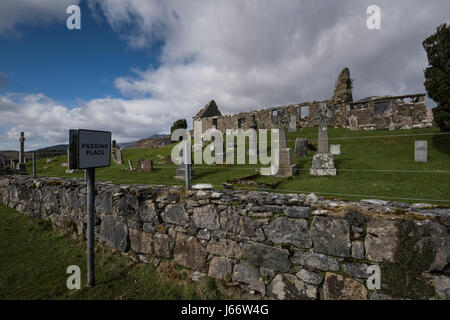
column 362, row 152
column 34, row 259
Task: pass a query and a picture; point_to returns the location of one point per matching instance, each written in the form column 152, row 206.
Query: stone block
column 220, row 267
column 206, row 217
column 114, row 233
column 336, row 287
column 141, row 242
column 190, row 253
column 244, row 272
column 267, row 256
column 381, row 240
column 317, row 261
column 331, row 236
column 288, row 230
column 175, row 214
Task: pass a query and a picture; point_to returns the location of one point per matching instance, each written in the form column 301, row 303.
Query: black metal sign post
column 34, row 165
column 90, row 184
column 89, row 149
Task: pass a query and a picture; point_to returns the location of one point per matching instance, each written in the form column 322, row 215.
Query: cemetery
column 378, row 163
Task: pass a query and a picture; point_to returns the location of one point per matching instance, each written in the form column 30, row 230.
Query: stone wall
column 377, row 113
column 281, row 246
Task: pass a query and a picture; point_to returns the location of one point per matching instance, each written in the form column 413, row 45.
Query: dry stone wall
column 281, row 246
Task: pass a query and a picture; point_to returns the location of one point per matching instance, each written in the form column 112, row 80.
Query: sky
column 136, row 66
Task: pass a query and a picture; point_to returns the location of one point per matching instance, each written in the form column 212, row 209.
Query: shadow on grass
column 442, row 143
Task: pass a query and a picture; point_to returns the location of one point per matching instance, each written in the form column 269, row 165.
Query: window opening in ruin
column 381, row 107
column 304, row 112
column 275, row 116
column 241, row 123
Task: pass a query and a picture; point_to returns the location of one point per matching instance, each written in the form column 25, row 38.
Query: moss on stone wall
column 403, row 278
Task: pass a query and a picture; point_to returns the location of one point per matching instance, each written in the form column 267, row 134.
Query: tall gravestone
column 323, row 162
column 130, row 165
column 21, row 166
column 420, row 151
column 116, row 153
column 292, row 123
column 301, row 147
column 286, row 165
column 181, row 170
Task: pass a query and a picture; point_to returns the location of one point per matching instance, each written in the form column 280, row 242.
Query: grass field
column 34, row 259
column 377, row 164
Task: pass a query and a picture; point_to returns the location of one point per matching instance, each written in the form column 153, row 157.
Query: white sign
column 94, row 149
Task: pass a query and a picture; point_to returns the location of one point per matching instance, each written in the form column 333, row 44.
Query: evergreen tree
column 437, row 77
column 179, row 124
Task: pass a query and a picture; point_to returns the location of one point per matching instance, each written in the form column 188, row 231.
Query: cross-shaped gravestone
column 323, row 163
column 323, row 114
column 21, row 166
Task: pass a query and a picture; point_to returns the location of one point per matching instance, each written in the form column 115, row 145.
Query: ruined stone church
column 371, row 113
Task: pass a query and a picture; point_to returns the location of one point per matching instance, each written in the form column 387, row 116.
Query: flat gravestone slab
column 420, row 151
column 335, row 149
column 202, row 186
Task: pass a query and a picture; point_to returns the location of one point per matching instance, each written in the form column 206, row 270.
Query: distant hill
column 155, row 142
column 127, row 144
column 59, row 147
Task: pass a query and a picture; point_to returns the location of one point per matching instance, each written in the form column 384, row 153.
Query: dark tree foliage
column 437, row 78
column 179, row 124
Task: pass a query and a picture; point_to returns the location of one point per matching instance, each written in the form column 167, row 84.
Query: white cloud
column 256, row 53
column 45, row 122
column 30, row 12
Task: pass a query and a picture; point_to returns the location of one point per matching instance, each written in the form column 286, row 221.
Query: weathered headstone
column 130, row 165
column 181, row 170
column 148, row 165
column 353, row 122
column 144, row 165
column 21, row 166
column 116, row 153
column 420, row 151
column 286, row 165
column 139, row 164
column 323, row 162
column 335, row 149
column 292, row 123
column 301, row 147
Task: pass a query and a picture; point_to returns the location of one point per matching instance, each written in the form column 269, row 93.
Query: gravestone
column 21, row 165
column 392, row 126
column 293, row 123
column 148, row 165
column 301, row 147
column 323, row 162
column 421, row 151
column 130, row 165
column 353, row 122
column 139, row 164
column 180, row 174
column 144, row 165
column 335, row 149
column 116, row 153
column 286, row 165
